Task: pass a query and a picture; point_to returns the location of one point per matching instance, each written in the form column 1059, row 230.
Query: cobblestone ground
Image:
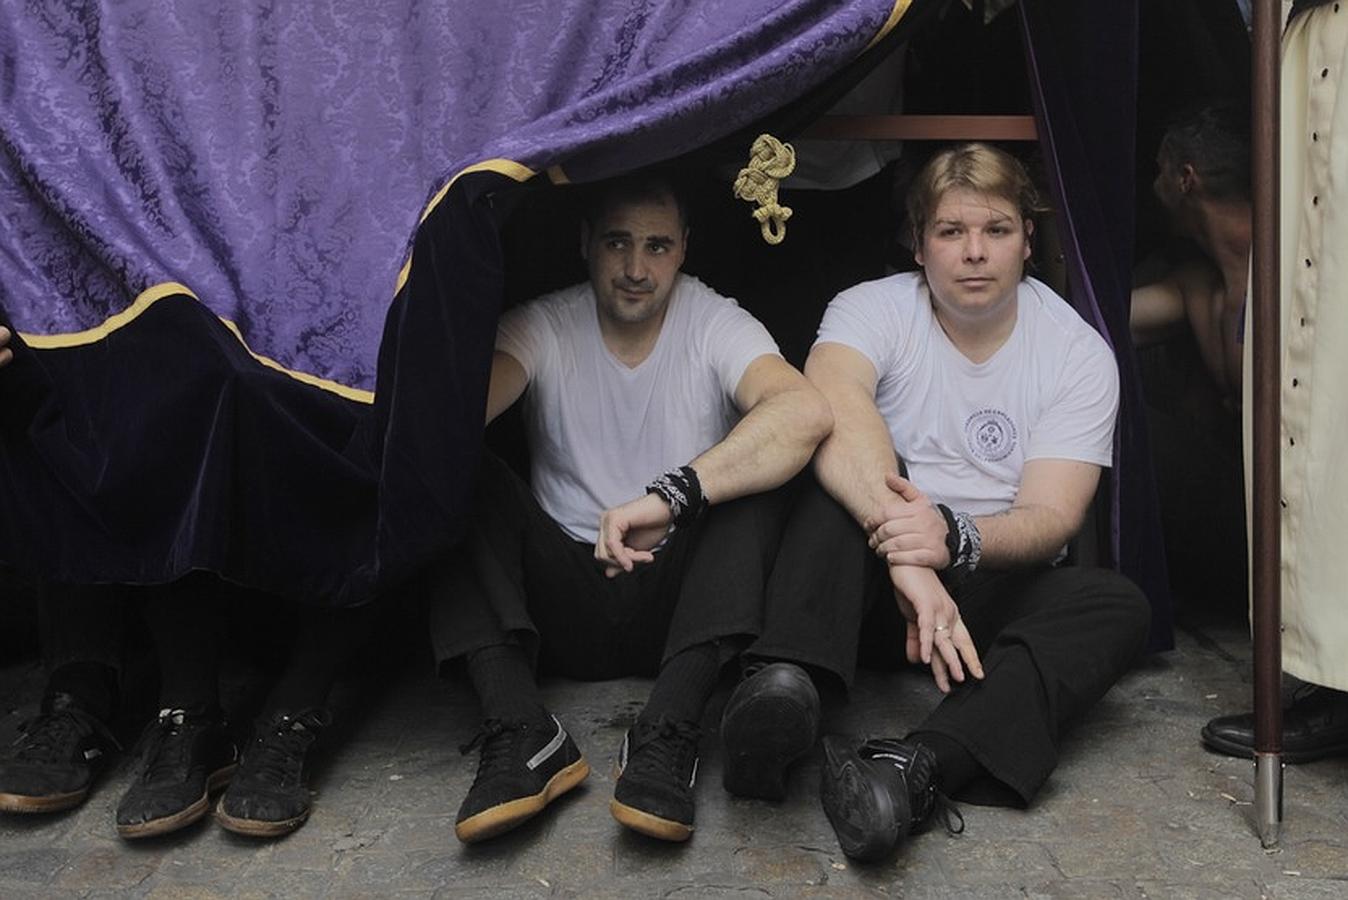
column 1135, row 809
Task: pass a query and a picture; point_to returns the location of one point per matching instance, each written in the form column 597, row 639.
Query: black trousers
column 82, row 624
column 1052, row 640
column 518, row 577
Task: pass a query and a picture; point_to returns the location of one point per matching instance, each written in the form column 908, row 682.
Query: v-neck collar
column 660, row 339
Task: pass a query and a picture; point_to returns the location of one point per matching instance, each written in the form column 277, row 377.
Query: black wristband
column 952, row 534
column 682, row 490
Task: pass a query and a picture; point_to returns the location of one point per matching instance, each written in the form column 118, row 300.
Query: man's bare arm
column 858, row 466
column 1215, row 313
column 784, row 420
column 1157, row 311
column 1194, row 295
column 1233, row 346
column 853, row 461
column 508, row 381
column 852, row 465
column 1048, row 510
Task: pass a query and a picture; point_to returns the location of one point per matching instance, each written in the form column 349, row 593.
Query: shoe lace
column 496, row 742
column 166, row 744
column 52, row 736
column 277, row 752
column 666, row 746
column 49, row 737
column 752, row 668
column 918, row 765
column 944, row 809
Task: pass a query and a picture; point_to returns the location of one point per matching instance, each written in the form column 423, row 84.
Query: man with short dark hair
column 656, row 410
column 1204, row 184
column 1193, row 388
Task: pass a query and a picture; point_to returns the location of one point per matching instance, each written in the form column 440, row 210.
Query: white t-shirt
column 599, row 431
column 966, row 429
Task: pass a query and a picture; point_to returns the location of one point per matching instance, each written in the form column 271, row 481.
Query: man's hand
column 6, row 354
column 936, row 634
column 913, row 532
column 628, row 533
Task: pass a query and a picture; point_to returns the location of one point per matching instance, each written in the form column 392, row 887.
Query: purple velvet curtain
column 1082, row 59
column 275, row 157
column 275, row 160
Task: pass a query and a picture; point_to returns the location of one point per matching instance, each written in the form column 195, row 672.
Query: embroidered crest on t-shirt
column 990, row 434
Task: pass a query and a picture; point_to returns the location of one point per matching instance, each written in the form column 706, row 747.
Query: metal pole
column 1267, row 385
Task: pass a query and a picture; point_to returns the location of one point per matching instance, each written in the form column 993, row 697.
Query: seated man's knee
column 1128, row 607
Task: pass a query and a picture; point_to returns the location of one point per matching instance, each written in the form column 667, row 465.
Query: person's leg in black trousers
column 82, row 634
column 822, row 580
column 269, row 795
column 716, row 575
column 1052, row 641
column 523, row 588
column 188, row 751
column 480, row 613
column 67, row 745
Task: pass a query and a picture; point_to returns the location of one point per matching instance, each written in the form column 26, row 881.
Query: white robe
column 1314, row 306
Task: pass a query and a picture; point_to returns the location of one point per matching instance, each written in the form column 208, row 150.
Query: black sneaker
column 268, row 796
column 56, row 758
column 878, row 793
column 187, row 756
column 656, row 771
column 521, row 768
column 770, row 721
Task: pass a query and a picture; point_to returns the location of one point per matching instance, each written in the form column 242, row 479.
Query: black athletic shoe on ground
column 521, row 768
column 656, row 771
column 187, row 755
column 770, row 721
column 268, row 796
column 878, row 792
column 58, row 755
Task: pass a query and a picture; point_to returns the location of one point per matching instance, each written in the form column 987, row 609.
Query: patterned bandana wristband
column 682, row 490
column 971, row 542
column 962, row 540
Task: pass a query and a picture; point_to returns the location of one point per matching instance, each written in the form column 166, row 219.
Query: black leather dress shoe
column 1314, row 725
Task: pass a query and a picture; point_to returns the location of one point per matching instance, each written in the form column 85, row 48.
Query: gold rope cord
column 770, row 161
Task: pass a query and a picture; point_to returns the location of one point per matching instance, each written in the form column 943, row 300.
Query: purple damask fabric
column 275, row 158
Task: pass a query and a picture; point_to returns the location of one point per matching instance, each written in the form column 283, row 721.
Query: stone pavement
column 1136, row 809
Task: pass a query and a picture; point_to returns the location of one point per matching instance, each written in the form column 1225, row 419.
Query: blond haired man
column 997, row 402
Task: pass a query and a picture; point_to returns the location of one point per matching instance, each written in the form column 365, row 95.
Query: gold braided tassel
column 769, row 162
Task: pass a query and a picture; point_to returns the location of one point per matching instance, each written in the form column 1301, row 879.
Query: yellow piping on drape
column 153, row 294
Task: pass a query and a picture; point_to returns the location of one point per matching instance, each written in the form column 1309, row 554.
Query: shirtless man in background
column 1204, row 184
column 1193, row 391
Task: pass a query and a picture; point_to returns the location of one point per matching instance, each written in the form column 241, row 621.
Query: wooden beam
column 923, row 128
